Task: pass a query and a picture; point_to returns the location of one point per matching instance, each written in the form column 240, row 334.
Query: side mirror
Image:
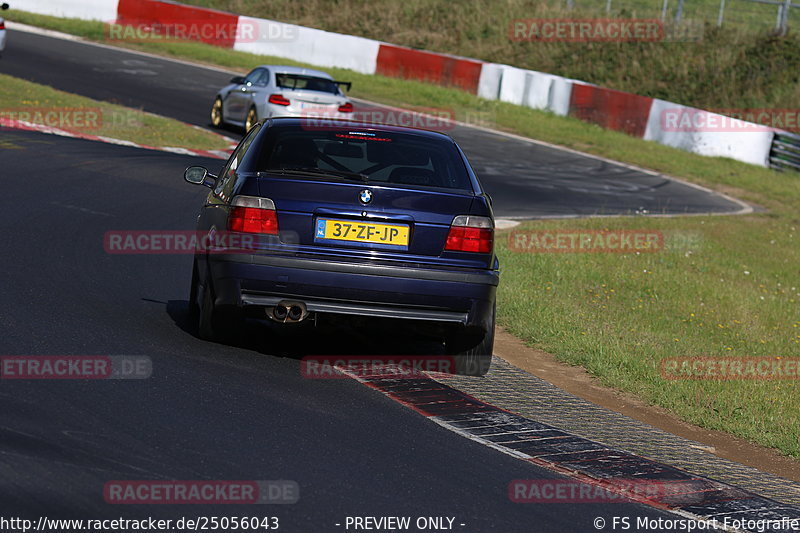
column 238, row 80
column 199, row 176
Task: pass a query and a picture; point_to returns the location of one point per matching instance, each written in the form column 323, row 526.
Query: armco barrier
column 410, row 64
column 785, row 152
column 614, row 110
column 512, row 84
column 547, row 92
column 489, row 81
column 105, row 10
column 529, row 88
column 171, row 14
column 748, row 146
column 310, row 45
column 560, row 95
column 537, row 90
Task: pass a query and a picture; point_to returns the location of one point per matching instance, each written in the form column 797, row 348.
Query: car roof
column 285, row 69
column 322, row 123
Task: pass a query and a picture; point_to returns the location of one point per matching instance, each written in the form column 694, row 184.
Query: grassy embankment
column 737, row 66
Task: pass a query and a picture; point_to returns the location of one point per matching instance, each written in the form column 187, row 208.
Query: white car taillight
column 278, row 99
column 252, row 214
column 470, row 233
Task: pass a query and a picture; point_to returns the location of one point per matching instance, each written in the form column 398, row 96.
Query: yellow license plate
column 392, row 235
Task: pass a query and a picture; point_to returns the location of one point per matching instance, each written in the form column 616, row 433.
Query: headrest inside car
column 338, row 149
column 389, row 154
column 413, row 176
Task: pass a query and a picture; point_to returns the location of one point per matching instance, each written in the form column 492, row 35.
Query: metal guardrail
column 785, row 152
column 755, row 14
column 784, row 7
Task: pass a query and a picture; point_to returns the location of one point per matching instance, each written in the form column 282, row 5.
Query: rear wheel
column 474, row 361
column 252, row 118
column 193, row 290
column 216, row 323
column 216, row 113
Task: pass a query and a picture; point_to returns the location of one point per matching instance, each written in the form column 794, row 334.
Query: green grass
column 739, row 66
column 26, row 101
column 618, row 315
column 420, row 22
column 727, row 287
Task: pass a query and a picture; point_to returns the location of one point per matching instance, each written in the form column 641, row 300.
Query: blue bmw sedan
column 346, row 218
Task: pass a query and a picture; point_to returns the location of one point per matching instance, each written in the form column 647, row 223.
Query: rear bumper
column 463, row 298
column 275, row 111
column 345, row 307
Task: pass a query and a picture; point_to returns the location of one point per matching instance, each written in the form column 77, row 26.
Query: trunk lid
column 303, row 204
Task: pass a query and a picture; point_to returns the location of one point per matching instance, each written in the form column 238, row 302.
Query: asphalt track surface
column 209, row 411
column 525, row 180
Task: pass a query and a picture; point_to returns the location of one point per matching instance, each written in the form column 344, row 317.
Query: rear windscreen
column 376, row 157
column 306, row 83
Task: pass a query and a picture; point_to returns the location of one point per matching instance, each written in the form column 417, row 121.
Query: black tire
column 193, row 308
column 252, row 119
column 217, row 324
column 217, row 119
column 477, row 360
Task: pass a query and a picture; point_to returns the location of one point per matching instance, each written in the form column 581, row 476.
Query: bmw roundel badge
column 365, row 196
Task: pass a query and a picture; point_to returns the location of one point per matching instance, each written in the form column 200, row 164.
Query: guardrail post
column 787, row 6
column 785, row 151
column 679, row 12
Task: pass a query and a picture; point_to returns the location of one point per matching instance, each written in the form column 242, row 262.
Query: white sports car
column 280, row 91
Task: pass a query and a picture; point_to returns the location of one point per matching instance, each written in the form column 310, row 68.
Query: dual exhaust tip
column 288, row 311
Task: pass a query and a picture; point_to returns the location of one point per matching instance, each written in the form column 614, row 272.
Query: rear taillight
column 2, row 25
column 471, row 234
column 278, row 99
column 251, row 214
column 346, row 108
